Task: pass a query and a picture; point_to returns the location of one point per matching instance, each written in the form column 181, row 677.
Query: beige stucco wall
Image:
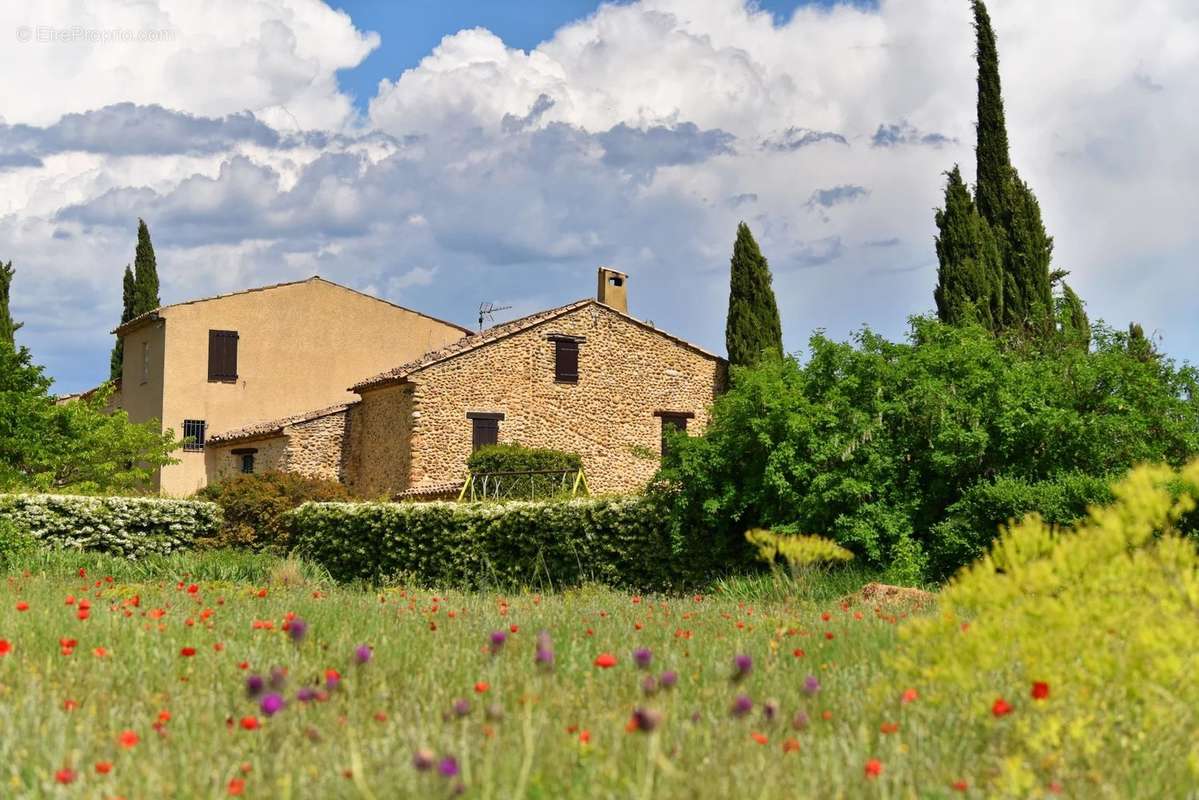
column 142, row 380
column 626, row 373
column 301, row 345
column 380, row 445
column 222, row 464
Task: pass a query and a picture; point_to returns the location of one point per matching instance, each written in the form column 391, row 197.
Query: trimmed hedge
column 132, row 527
column 518, row 458
column 622, row 542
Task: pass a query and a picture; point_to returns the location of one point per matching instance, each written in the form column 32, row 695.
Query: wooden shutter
column 566, row 360
column 485, row 431
column 222, row 355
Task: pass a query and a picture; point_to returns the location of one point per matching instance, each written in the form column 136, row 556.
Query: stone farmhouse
column 226, row 362
column 585, row 377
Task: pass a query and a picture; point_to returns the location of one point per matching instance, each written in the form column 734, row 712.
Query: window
column 222, row 355
column 672, row 420
column 145, row 362
column 566, row 360
column 193, row 435
column 247, row 463
column 485, row 429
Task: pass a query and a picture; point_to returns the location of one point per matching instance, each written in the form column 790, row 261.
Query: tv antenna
column 487, row 311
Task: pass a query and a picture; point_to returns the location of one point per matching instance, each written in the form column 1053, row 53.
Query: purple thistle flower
column 811, row 684
column 296, row 629
column 646, row 719
column 545, row 651
column 742, row 705
column 254, row 685
column 423, row 759
column 668, row 679
column 306, row 694
column 800, row 721
column 448, row 767
column 461, row 707
column 271, row 705
column 770, row 710
column 497, row 641
column 649, row 685
column 742, row 666
column 642, row 656
column 696, row 716
column 362, row 654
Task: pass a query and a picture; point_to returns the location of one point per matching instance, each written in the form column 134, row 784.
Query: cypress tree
column 970, row 271
column 7, row 326
column 991, row 151
column 752, row 330
column 128, row 290
column 145, row 273
column 1072, row 320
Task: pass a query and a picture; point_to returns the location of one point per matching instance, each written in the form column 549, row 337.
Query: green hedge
column 517, row 458
column 623, row 542
column 132, row 527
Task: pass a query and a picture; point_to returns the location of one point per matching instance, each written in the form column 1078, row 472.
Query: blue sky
column 270, row 141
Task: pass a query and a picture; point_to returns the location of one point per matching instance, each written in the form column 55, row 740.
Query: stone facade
column 314, row 445
column 411, row 428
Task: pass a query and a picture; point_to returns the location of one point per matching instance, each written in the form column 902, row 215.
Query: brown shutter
column 222, row 355
column 566, row 360
column 485, row 431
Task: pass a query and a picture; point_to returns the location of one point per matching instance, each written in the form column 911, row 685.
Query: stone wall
column 418, row 434
column 316, row 448
column 379, row 453
column 222, row 463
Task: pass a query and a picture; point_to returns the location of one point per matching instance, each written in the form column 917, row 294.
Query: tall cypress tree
column 970, row 271
column 140, row 292
column 752, row 329
column 1072, row 319
column 145, row 273
column 991, row 151
column 7, row 326
column 128, row 290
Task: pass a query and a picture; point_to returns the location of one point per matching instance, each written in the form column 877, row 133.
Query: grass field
column 247, row 676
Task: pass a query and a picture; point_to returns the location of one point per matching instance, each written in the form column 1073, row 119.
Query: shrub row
column 623, row 542
column 132, row 527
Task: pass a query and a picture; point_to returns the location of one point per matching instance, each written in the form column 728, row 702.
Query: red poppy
column 797, row 652
column 128, row 739
column 156, row 613
column 828, row 634
column 889, row 727
column 874, row 768
column 1001, row 707
column 104, row 767
column 5, row 647
column 584, row 737
column 164, row 716
column 193, row 589
column 249, row 723
column 187, row 652
column 65, row 776
column 1040, row 690
column 605, row 660
column 236, row 786
column 481, row 687
column 908, row 696
column 22, row 606
column 960, row 786
column 69, row 705
column 380, row 716
column 760, row 738
column 99, row 652
column 83, row 613
column 791, row 746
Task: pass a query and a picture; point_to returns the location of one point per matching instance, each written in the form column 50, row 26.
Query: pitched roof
column 503, row 331
column 137, row 321
column 430, row 490
column 260, row 430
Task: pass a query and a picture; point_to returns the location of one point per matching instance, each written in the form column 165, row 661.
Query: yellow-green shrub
column 800, row 552
column 1105, row 616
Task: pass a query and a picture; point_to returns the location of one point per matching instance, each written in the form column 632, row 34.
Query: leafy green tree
column 911, row 454
column 7, row 327
column 752, row 328
column 75, row 446
column 970, row 275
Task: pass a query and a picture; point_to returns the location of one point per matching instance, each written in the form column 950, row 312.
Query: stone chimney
column 613, row 289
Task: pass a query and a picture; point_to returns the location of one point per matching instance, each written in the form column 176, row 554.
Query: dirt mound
column 881, row 594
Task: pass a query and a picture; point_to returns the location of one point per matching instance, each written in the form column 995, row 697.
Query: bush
column 15, row 544
column 132, row 527
column 1087, row 637
column 912, row 454
column 514, row 458
column 618, row 541
column 254, row 506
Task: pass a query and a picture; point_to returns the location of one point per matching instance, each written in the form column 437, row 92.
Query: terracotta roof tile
column 275, row 427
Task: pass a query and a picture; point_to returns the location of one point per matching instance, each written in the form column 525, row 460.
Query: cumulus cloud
column 638, row 136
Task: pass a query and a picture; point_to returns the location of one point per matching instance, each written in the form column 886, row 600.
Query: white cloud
column 638, row 136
